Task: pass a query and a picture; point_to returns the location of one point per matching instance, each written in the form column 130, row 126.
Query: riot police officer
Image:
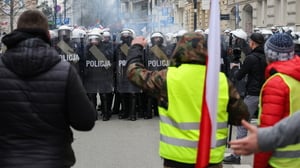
column 156, row 59
column 239, row 40
column 171, row 47
column 78, row 43
column 98, row 76
column 90, row 74
column 65, row 48
column 237, row 51
column 106, row 93
column 126, row 92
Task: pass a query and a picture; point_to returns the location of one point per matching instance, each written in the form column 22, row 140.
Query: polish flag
column 208, row 120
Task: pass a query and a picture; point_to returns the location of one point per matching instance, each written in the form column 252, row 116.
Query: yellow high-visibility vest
column 289, row 156
column 179, row 124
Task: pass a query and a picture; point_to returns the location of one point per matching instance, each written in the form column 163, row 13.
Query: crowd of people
column 51, row 81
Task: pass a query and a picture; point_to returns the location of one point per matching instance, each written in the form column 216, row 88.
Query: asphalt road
column 125, row 144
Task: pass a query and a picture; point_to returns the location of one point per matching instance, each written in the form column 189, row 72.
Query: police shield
column 67, row 53
column 78, row 45
column 98, row 71
column 156, row 58
column 123, row 85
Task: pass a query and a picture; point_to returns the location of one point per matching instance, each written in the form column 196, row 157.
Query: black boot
column 132, row 105
column 124, row 107
column 106, row 115
column 148, row 112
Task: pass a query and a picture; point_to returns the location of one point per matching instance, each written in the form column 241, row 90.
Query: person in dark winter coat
column 41, row 97
column 254, row 67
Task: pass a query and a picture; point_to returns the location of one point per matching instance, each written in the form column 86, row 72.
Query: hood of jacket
column 28, row 52
column 290, row 67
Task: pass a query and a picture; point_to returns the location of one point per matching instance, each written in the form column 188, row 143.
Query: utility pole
column 237, row 16
column 150, row 14
column 195, row 14
column 65, row 10
column 55, row 12
column 81, row 23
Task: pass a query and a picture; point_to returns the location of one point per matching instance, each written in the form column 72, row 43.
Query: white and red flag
column 208, row 123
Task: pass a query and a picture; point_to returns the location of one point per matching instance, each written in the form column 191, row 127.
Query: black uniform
column 98, row 75
column 156, row 58
column 126, row 92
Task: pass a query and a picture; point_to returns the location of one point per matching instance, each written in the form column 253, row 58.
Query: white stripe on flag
column 213, row 67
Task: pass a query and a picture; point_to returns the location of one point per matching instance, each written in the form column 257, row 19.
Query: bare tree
column 11, row 8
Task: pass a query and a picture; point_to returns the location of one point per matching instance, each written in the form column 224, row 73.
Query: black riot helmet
column 157, row 38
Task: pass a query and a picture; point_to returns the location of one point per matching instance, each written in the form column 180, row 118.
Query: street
column 125, row 144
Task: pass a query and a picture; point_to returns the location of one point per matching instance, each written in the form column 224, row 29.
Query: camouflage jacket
column 155, row 83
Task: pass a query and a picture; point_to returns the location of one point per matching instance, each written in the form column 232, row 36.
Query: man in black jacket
column 41, row 97
column 254, row 68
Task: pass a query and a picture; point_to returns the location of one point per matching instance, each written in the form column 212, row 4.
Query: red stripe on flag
column 204, row 141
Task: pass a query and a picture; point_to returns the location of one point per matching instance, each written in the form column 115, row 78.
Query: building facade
column 8, row 20
column 265, row 13
column 162, row 15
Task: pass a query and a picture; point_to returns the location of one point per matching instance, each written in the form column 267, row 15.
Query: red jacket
column 275, row 100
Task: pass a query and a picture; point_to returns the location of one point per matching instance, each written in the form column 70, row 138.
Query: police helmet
column 157, row 38
column 256, row 30
column 126, row 33
column 106, row 35
column 297, row 41
column 53, row 34
column 179, row 34
column 78, row 33
column 199, row 31
column 266, row 33
column 132, row 32
column 227, row 30
column 94, row 37
column 169, row 37
column 64, row 31
column 274, row 29
column 239, row 33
